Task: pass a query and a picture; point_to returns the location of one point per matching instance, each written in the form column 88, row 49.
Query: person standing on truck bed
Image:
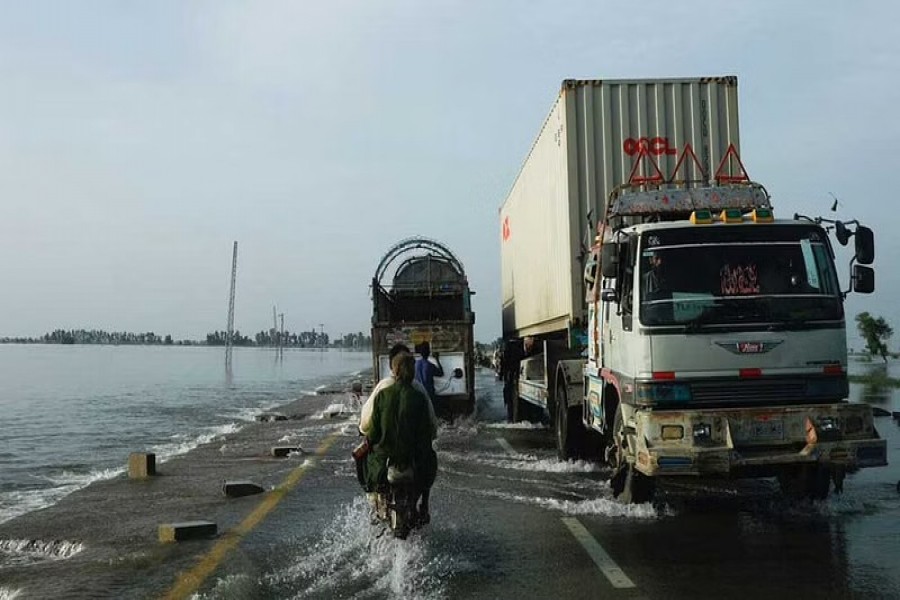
column 426, row 370
column 512, row 356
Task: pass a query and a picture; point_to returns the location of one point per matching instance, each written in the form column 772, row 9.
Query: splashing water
column 22, row 552
column 606, row 507
column 523, row 425
column 522, row 462
column 354, row 558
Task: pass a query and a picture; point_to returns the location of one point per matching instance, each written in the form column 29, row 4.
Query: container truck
column 656, row 312
column 420, row 293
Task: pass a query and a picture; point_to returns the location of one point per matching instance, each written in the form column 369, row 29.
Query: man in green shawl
column 401, row 432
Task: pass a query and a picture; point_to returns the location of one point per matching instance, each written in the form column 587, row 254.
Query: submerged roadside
column 103, row 540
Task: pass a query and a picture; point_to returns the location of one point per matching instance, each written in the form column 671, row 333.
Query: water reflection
column 765, row 545
column 877, row 389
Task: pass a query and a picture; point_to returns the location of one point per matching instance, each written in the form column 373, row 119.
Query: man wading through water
column 398, row 422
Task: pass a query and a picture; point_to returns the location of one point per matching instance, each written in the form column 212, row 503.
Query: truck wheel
column 628, row 484
column 805, row 482
column 512, row 401
column 569, row 429
column 819, row 482
column 637, row 488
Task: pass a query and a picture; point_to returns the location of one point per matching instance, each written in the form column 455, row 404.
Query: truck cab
column 717, row 343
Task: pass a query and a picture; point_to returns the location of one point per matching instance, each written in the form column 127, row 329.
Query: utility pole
column 229, row 334
column 274, row 328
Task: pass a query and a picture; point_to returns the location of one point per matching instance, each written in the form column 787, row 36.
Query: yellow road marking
column 190, row 582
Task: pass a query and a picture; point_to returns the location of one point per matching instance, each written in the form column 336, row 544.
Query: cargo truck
column 674, row 327
column 420, row 293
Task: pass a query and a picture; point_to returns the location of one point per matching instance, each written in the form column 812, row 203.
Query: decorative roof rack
column 628, row 201
column 655, row 195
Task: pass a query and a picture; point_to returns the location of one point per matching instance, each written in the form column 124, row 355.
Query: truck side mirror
column 865, row 245
column 863, row 279
column 609, row 260
column 841, row 233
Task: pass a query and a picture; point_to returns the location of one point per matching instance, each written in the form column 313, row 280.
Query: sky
column 138, row 140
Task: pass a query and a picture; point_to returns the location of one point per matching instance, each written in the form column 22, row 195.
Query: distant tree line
column 218, row 338
column 305, row 339
column 97, row 336
column 312, row 339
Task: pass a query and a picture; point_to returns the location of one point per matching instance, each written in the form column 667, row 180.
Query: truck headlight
column 702, row 432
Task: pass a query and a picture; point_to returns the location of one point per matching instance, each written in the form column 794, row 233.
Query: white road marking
column 607, row 566
column 506, row 446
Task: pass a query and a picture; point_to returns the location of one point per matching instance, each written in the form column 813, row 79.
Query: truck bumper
column 757, row 442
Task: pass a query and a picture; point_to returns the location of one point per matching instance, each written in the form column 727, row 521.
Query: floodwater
column 70, row 415
column 501, row 509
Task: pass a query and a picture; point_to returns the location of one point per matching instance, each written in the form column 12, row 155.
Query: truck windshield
column 736, row 274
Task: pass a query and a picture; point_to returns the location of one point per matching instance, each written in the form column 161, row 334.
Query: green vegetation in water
column 875, row 331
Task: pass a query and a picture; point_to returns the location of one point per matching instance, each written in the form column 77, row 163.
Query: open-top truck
column 420, row 293
column 675, row 326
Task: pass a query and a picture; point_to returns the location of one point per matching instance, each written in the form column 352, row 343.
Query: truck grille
column 745, row 392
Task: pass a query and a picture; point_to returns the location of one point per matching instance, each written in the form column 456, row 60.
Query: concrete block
column 269, row 417
column 189, row 530
column 236, row 489
column 141, row 465
column 336, row 410
column 282, row 451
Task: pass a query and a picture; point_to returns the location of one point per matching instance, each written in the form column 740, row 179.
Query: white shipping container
column 598, row 133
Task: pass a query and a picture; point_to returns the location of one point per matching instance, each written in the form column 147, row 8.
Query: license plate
column 767, row 430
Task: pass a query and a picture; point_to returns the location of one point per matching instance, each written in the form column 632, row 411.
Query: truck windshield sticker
column 687, row 307
column 739, row 280
column 809, row 261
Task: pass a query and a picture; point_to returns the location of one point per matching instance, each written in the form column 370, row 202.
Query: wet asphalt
column 509, row 521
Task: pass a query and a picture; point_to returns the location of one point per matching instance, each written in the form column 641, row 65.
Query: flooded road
column 508, row 521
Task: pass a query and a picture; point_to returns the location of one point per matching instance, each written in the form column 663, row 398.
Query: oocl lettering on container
column 657, row 146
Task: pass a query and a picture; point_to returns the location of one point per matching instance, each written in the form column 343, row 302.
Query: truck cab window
column 754, row 274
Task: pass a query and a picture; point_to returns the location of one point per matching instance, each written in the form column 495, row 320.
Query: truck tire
column 629, row 485
column 512, row 401
column 519, row 409
column 805, row 482
column 569, row 429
